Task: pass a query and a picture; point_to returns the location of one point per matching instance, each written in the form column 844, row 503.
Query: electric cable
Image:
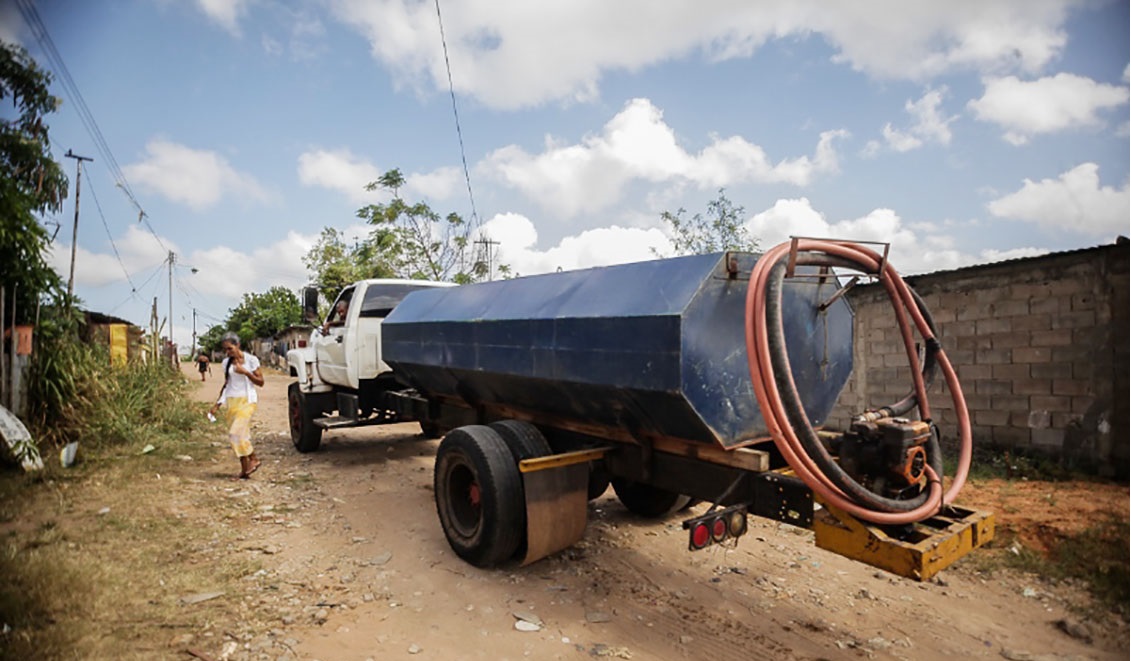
column 455, row 112
column 101, row 215
column 39, row 30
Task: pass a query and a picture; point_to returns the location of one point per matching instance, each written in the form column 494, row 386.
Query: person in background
column 241, row 376
column 202, row 364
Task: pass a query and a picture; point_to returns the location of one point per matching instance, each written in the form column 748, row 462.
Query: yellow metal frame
column 931, row 546
column 558, row 460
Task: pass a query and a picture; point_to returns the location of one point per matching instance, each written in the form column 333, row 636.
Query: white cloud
column 343, row 171
column 912, row 249
column 930, row 124
column 441, row 184
column 223, row 275
column 197, row 178
column 140, row 254
column 505, row 49
column 11, row 23
column 636, row 144
column 225, row 13
column 1074, row 201
column 338, row 170
column 603, row 246
column 1047, row 105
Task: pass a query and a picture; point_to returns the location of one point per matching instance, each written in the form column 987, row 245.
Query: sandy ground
column 355, row 566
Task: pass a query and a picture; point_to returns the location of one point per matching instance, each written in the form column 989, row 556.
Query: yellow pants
column 238, row 416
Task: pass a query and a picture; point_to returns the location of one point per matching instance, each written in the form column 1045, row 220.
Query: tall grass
column 78, row 395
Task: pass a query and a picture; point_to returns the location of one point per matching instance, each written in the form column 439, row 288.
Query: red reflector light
column 700, row 536
column 719, row 529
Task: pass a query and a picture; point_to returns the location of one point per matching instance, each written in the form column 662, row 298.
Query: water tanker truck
column 698, row 379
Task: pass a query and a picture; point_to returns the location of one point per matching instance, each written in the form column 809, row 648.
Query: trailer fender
column 557, row 497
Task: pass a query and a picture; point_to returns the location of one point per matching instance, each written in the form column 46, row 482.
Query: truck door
column 330, row 347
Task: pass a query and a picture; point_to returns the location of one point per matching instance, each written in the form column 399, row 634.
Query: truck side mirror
column 310, row 304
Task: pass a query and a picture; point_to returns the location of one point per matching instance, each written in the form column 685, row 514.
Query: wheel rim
column 464, row 499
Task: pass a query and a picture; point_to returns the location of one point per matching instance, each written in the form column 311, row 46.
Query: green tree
column 335, row 264
column 31, row 182
column 416, row 241
column 263, row 315
column 209, row 340
column 720, row 229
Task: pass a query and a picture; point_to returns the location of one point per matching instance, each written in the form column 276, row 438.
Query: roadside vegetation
column 1095, row 554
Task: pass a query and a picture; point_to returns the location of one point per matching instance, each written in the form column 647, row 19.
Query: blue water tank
column 654, row 347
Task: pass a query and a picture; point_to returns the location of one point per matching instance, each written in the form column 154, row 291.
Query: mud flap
column 557, row 499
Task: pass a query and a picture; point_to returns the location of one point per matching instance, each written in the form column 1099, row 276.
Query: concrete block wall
column 1041, row 349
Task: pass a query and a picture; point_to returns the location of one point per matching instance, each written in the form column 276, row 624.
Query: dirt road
column 354, row 566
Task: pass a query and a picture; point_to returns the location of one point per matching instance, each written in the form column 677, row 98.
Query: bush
column 77, row 395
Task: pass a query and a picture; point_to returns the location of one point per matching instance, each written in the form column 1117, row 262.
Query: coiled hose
column 781, row 406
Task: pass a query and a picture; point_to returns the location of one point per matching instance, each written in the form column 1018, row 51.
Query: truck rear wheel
column 479, row 495
column 305, row 435
column 523, row 439
column 525, row 442
column 598, row 480
column 646, row 500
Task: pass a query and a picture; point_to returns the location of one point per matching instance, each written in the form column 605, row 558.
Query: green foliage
column 31, row 182
column 336, row 264
column 60, row 364
column 209, row 341
column 107, row 406
column 417, row 242
column 263, row 315
column 257, row 315
column 134, row 405
column 721, row 229
column 407, row 240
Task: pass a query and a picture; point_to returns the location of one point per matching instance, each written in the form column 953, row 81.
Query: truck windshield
column 380, row 300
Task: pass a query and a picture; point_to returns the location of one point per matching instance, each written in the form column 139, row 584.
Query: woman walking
column 241, row 375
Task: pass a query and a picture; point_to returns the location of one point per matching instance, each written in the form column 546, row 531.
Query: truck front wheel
column 646, row 500
column 304, row 433
column 479, row 495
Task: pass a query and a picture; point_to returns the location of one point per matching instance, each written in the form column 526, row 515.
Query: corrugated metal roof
column 1120, row 242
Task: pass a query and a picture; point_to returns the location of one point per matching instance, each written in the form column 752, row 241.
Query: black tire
column 598, row 479
column 525, row 442
column 523, row 439
column 431, row 429
column 304, row 433
column 646, row 500
column 479, row 495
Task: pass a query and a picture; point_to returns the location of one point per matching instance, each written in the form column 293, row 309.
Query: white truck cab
column 346, row 349
column 341, row 369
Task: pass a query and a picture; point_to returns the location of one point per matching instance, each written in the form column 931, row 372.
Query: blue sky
column 961, row 132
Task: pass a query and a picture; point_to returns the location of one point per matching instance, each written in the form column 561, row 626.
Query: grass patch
column 994, row 464
column 97, row 557
column 96, row 560
column 1097, row 556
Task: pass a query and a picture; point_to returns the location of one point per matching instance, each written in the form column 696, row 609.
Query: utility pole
column 488, row 245
column 172, row 351
column 192, row 349
column 75, row 234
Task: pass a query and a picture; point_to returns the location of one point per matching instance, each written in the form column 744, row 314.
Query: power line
column 455, row 112
column 113, row 245
column 39, row 30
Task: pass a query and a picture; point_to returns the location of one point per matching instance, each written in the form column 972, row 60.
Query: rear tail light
column 716, row 527
column 700, row 536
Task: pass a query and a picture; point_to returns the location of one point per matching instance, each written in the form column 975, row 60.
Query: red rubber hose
column 769, row 397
